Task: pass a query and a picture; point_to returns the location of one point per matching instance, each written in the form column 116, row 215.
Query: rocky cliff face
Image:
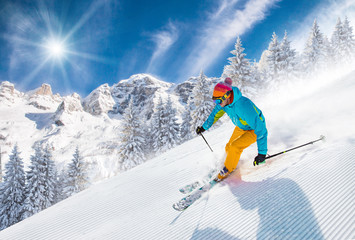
column 68, row 107
column 99, row 101
column 145, row 91
column 43, row 98
column 8, row 93
column 184, row 90
column 45, row 89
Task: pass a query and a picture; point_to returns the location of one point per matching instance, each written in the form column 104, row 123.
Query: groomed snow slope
column 305, row 194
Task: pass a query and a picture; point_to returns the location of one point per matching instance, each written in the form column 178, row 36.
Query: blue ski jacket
column 244, row 114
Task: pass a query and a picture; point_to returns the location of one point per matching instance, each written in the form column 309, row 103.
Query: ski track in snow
column 304, row 194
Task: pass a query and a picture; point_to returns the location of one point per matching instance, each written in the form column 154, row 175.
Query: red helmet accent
column 228, row 80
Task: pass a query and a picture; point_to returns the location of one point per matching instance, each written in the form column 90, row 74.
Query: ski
column 187, row 201
column 197, row 184
column 190, row 187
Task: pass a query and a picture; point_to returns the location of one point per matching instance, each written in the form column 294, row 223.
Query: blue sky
column 78, row 45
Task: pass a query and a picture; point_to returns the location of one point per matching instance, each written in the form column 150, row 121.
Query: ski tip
column 323, row 138
column 176, row 207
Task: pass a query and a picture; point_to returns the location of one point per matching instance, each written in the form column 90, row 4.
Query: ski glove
column 200, row 130
column 260, row 159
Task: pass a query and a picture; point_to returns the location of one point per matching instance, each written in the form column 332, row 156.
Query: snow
column 304, row 194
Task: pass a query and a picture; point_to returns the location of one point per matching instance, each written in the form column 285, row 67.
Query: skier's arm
column 256, row 121
column 216, row 114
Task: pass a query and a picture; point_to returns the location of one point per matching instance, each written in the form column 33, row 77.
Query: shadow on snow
column 41, row 119
column 283, row 208
column 211, row 233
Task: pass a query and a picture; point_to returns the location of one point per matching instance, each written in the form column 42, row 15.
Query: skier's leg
column 236, row 134
column 235, row 149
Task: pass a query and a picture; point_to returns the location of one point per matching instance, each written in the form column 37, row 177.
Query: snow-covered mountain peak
column 43, row 98
column 99, row 101
column 69, row 105
column 144, row 79
column 145, row 91
column 45, row 90
column 8, row 93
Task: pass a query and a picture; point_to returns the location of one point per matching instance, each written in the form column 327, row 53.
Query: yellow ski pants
column 240, row 140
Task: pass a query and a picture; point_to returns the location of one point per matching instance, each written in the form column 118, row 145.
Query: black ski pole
column 206, row 142
column 274, row 155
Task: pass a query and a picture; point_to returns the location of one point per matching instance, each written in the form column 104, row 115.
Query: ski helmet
column 222, row 88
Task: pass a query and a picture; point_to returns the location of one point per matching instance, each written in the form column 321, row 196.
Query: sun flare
column 55, row 48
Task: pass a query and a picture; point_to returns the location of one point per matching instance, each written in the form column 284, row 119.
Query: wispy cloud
column 222, row 27
column 163, row 41
column 326, row 14
column 95, row 5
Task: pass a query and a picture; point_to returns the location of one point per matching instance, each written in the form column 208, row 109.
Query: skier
column 249, row 121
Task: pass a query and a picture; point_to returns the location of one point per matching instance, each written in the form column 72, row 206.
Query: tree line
column 25, row 193
column 280, row 64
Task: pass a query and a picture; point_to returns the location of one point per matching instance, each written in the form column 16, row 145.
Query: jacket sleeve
column 216, row 114
column 256, row 121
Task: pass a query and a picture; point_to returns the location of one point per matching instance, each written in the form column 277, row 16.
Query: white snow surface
column 304, row 194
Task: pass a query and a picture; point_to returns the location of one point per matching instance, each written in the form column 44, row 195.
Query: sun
column 55, row 48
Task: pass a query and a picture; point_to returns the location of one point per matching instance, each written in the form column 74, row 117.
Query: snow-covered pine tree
column 150, row 106
column 170, row 126
column 314, row 52
column 131, row 150
column 157, row 134
column 61, row 179
column 12, row 191
column 337, row 40
column 149, row 139
column 201, row 101
column 342, row 43
column 49, row 171
column 185, row 131
column 77, row 177
column 274, row 62
column 34, row 184
column 349, row 41
column 288, row 63
column 257, row 76
column 329, row 53
column 263, row 70
column 240, row 70
column 226, row 71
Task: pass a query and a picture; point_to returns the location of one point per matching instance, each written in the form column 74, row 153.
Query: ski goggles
column 219, row 100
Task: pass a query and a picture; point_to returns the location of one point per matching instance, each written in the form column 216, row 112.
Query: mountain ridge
column 68, row 121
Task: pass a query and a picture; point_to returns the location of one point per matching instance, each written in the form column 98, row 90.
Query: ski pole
column 270, row 156
column 206, row 142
